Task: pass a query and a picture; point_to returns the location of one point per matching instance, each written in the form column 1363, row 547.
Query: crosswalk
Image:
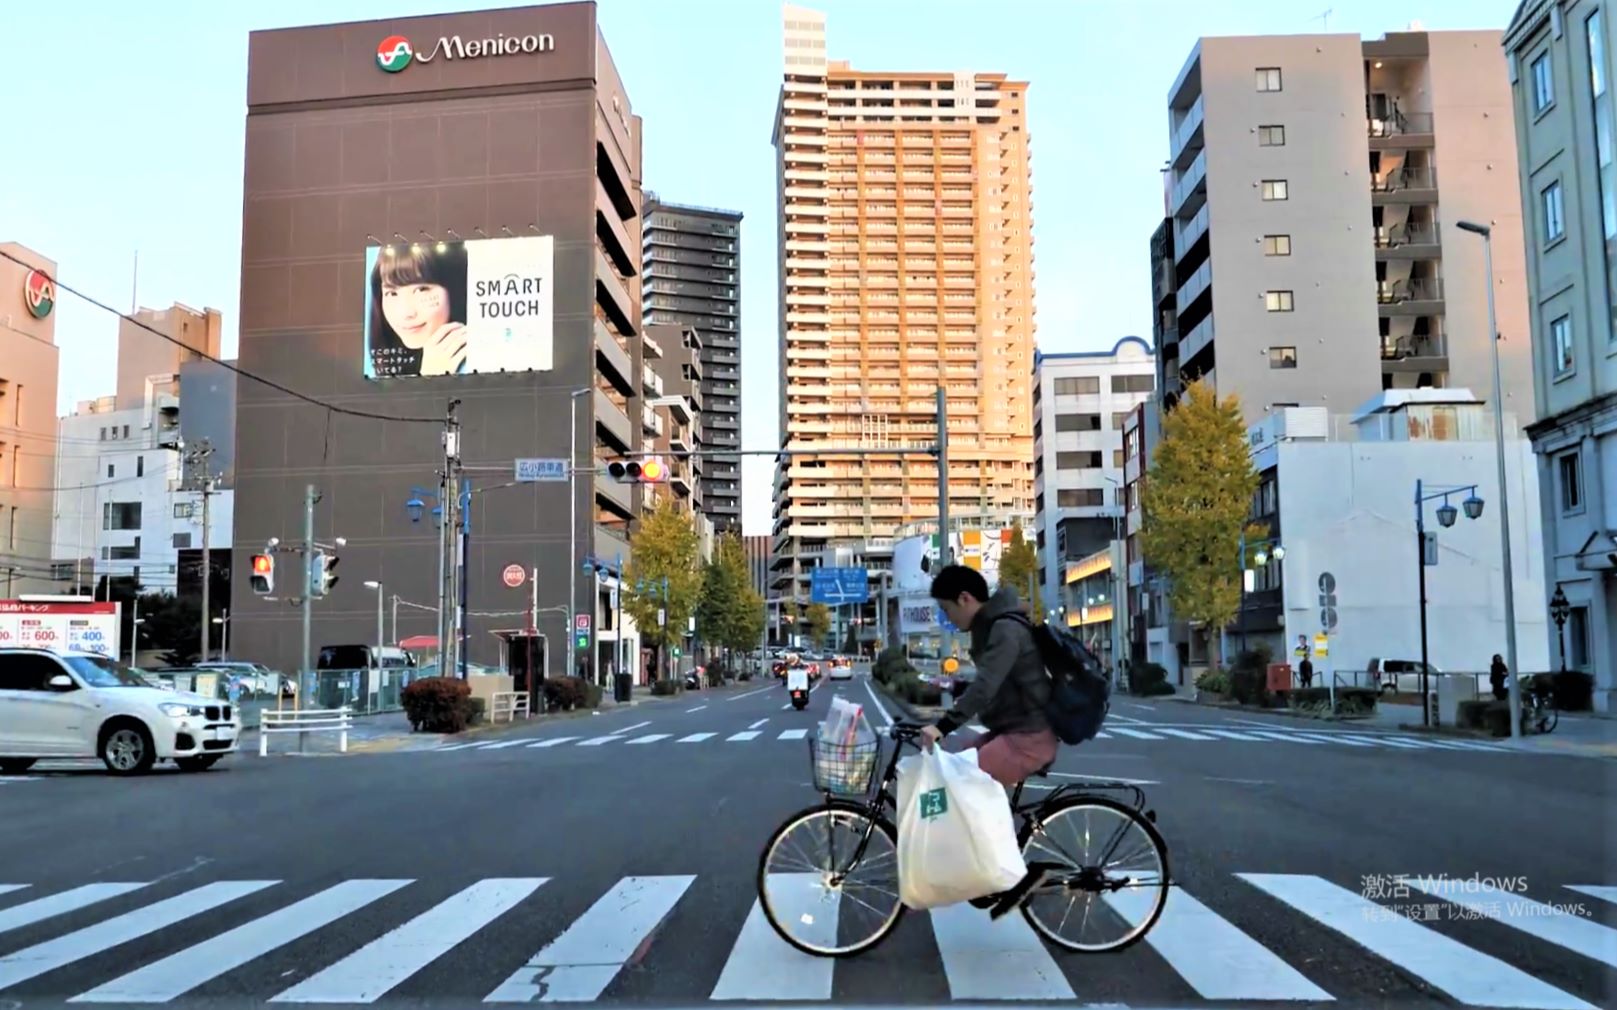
column 364, row 940
column 1129, row 733
column 11, row 780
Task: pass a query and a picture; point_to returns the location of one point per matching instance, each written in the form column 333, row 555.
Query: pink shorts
column 1008, row 758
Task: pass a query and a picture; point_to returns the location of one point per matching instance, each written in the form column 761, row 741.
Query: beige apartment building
column 28, row 374
column 1314, row 183
column 906, row 250
column 144, row 355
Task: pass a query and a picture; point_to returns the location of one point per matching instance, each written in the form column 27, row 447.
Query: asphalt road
column 612, row 858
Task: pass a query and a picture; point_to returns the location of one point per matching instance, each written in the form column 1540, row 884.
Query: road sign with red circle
column 581, row 623
column 514, row 575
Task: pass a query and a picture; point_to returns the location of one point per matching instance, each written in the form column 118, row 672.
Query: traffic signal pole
column 945, row 552
column 310, row 496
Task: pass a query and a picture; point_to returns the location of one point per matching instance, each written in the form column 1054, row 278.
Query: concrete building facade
column 1314, row 184
column 1081, row 402
column 1561, row 62
column 906, row 246
column 156, row 343
column 693, row 279
column 28, row 376
column 393, row 135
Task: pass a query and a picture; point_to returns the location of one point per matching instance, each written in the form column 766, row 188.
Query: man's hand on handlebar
column 930, row 735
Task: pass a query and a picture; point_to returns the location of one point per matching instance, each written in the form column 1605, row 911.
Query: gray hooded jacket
column 1012, row 690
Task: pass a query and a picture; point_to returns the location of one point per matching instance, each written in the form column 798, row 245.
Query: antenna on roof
column 1324, row 18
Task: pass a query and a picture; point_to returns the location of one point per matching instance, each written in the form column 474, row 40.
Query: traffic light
column 263, row 574
column 651, row 471
column 322, row 573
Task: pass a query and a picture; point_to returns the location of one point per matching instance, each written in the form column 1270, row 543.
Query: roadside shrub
column 1496, row 718
column 476, row 710
column 437, row 704
column 889, row 663
column 1155, row 688
column 592, row 695
column 1473, row 714
column 1249, row 678
column 664, row 687
column 1214, row 682
column 563, row 694
column 1145, row 678
column 744, row 676
column 1573, row 691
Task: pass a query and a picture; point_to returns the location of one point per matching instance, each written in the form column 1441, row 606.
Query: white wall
column 1348, row 508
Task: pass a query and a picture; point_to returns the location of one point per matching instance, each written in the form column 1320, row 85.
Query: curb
column 911, row 713
column 1287, row 712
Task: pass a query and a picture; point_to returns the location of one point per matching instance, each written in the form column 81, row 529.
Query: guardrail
column 509, row 704
column 308, row 720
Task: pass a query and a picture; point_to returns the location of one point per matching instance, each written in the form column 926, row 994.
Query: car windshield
column 99, row 671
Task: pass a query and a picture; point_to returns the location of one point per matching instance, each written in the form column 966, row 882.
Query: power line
column 271, row 383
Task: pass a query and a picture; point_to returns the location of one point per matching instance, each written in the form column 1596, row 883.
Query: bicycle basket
column 844, row 769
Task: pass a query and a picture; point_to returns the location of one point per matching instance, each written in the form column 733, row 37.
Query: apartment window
column 1277, row 245
column 1571, row 481
column 1077, row 422
column 126, row 431
column 1274, row 189
column 184, row 510
column 1271, row 136
column 1605, row 170
column 1561, row 345
column 123, row 553
column 1078, row 460
column 103, row 433
column 182, row 541
column 1577, row 645
column 1268, row 78
column 120, row 515
column 1554, row 220
column 1120, row 418
column 110, row 471
column 1277, row 301
column 1543, row 86
column 1133, row 383
column 1117, row 458
column 140, row 466
column 1083, row 497
column 1282, row 357
column 1077, row 385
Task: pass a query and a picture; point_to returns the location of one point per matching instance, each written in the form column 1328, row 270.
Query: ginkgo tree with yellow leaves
column 1197, row 501
column 664, row 573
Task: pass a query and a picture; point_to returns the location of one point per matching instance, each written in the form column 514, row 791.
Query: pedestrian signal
column 263, row 574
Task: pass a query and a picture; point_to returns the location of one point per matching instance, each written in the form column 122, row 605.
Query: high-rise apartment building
column 692, row 279
column 671, row 418
column 28, row 372
column 906, row 246
column 1561, row 65
column 1314, row 186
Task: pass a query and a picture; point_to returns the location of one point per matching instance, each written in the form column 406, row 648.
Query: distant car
column 841, row 669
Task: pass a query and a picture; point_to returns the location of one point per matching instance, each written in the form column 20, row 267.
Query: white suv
column 78, row 705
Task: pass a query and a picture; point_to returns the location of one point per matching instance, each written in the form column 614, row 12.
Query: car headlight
column 176, row 710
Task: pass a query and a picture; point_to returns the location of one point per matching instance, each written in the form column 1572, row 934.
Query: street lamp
column 224, row 645
column 1560, row 610
column 373, row 584
column 1446, row 514
column 1263, row 552
column 1486, row 234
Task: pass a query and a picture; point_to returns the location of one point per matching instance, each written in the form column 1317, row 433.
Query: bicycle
column 803, row 897
column 1539, row 714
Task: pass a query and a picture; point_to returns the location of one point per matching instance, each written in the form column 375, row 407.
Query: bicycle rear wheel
column 828, row 880
column 1108, row 881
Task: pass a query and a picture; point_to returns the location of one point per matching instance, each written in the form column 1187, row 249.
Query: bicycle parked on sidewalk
column 1539, row 714
column 828, row 877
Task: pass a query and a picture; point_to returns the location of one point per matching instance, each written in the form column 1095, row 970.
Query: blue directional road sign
column 537, row 470
column 836, row 586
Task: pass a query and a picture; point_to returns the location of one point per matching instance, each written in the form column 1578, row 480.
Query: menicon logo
column 394, row 54
column 39, row 291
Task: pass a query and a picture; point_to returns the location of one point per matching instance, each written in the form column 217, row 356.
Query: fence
column 362, row 691
column 509, row 704
column 300, row 721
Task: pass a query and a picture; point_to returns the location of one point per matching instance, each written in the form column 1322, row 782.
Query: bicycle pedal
column 986, row 901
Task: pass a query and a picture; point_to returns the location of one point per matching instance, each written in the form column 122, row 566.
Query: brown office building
column 379, row 155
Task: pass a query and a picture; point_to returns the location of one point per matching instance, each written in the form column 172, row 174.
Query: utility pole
column 310, row 497
column 448, row 503
column 199, row 457
column 395, row 619
column 463, row 502
column 945, row 551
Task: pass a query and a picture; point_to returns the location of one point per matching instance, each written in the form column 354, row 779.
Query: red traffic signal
column 263, row 574
column 652, row 471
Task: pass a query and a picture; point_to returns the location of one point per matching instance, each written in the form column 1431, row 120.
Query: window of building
column 1268, row 78
column 110, row 470
column 1265, row 500
column 1277, row 245
column 1120, row 418
column 1083, row 497
column 1282, row 357
column 1554, row 220
column 1117, row 458
column 1077, row 422
column 1577, row 638
column 1605, row 163
column 1561, row 346
column 1133, row 383
column 140, row 466
column 184, row 509
column 1077, row 460
column 1543, row 85
column 1274, row 189
column 120, row 515
column 1571, row 480
column 103, row 433
column 182, row 540
column 126, row 431
column 123, row 553
column 1277, row 301
column 1271, row 136
column 1077, row 384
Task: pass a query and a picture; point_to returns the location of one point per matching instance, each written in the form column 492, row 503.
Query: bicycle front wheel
column 1107, row 879
column 828, row 880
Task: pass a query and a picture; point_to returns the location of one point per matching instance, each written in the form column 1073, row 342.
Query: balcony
column 651, row 421
column 1418, row 352
column 1401, row 130
column 1408, row 242
column 1185, row 233
column 612, row 423
column 609, row 231
column 1404, row 186
column 613, row 174
column 1194, row 287
column 1187, row 143
column 614, row 495
column 653, row 382
column 1190, row 191
column 1419, row 296
column 613, row 297
column 612, row 361
column 1196, row 339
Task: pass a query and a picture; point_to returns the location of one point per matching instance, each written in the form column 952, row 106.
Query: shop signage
column 39, row 293
column 395, row 52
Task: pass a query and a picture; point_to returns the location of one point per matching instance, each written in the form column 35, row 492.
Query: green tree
column 664, row 572
column 1019, row 570
column 751, row 620
column 1197, row 498
column 724, row 581
column 816, row 622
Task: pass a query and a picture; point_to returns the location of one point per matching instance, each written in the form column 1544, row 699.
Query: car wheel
column 126, row 748
column 15, row 766
column 199, row 763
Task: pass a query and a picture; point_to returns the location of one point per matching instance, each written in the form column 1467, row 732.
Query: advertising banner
column 917, row 615
column 912, row 565
column 60, row 626
column 459, row 308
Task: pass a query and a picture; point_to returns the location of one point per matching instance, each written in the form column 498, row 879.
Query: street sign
column 513, row 575
column 581, row 623
column 1322, row 646
column 535, row 470
column 836, row 586
column 1429, row 550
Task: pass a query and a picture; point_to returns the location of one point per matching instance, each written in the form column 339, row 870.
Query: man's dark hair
column 952, row 580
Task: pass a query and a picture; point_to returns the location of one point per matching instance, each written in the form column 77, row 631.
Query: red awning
column 420, row 642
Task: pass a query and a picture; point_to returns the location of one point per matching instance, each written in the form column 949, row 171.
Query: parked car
column 1400, row 675
column 81, row 705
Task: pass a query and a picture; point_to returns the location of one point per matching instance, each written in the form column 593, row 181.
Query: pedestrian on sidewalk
column 1497, row 673
column 1305, row 672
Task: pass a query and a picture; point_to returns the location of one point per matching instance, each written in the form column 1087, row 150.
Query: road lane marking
column 1601, row 891
column 457, row 746
column 1547, row 922
column 760, row 722
column 749, row 694
column 698, row 708
column 1213, row 956
column 1185, row 733
column 1104, row 778
column 8, row 888
column 579, row 964
column 886, row 718
column 1102, row 735
column 508, row 743
column 1136, row 734
column 1389, row 741
column 553, row 741
column 1337, row 738
column 762, row 966
column 696, row 738
column 637, row 725
column 1373, row 741
column 744, row 735
column 179, row 973
column 1467, row 975
column 63, row 950
column 57, row 904
column 1233, row 734
column 599, row 740
column 792, row 734
column 369, row 972
column 650, row 738
column 989, row 960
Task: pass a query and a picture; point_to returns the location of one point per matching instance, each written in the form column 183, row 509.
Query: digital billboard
column 459, row 308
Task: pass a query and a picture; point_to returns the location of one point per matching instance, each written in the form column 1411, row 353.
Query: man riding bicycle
column 1011, row 691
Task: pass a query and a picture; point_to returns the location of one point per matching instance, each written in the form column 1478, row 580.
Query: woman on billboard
column 417, row 323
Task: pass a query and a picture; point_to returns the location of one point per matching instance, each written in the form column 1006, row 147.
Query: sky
column 141, row 150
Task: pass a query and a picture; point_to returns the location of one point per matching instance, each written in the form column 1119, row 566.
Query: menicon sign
column 394, row 53
column 513, row 575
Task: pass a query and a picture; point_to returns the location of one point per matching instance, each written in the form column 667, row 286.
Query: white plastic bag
column 956, row 838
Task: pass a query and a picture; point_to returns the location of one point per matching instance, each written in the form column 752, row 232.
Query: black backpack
column 1080, row 694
